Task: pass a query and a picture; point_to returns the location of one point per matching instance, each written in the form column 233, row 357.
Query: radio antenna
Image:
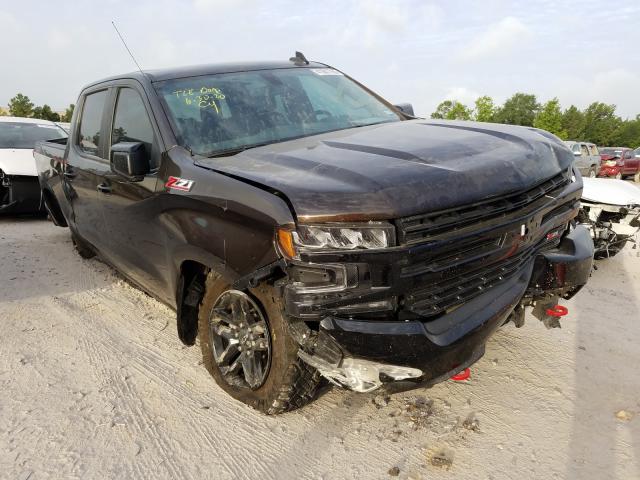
column 125, row 46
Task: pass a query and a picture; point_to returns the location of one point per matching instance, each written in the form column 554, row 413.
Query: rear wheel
column 592, row 172
column 247, row 349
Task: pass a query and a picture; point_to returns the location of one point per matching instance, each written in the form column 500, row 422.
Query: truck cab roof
column 159, row 75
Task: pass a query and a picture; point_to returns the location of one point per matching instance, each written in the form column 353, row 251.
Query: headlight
column 372, row 235
column 610, row 163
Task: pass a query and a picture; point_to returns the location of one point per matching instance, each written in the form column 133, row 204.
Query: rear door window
column 131, row 122
column 91, row 122
column 593, row 150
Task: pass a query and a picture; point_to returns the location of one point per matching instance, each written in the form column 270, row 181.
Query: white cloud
column 208, row 6
column 384, row 16
column 462, row 94
column 9, row 23
column 498, row 39
column 58, row 39
column 617, row 86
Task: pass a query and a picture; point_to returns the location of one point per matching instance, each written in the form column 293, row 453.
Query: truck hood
column 399, row 169
column 18, row 161
column 610, row 192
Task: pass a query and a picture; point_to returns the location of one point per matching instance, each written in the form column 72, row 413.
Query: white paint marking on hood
column 610, row 191
column 18, row 161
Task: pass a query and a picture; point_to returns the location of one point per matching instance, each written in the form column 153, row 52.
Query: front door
column 130, row 208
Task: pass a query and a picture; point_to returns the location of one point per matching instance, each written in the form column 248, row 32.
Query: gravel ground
column 94, row 383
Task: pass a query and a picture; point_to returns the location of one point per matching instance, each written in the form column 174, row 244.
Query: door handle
column 104, row 188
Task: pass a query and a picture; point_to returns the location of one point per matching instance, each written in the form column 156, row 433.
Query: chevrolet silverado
column 303, row 227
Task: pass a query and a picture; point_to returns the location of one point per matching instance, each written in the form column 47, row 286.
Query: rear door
column 131, row 209
column 630, row 162
column 86, row 163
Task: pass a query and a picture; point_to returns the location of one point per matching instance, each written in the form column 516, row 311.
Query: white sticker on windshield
column 325, row 71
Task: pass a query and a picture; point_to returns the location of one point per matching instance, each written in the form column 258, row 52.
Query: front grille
column 419, row 228
column 460, row 253
column 457, row 288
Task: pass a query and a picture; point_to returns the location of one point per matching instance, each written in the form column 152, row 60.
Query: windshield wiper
column 232, row 151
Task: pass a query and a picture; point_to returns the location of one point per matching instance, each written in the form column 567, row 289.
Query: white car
column 610, row 209
column 19, row 187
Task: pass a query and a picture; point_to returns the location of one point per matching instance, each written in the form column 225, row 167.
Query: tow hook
column 461, row 376
column 549, row 312
column 557, row 311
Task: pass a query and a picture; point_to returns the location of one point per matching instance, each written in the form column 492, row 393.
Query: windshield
column 214, row 114
column 611, row 151
column 25, row 135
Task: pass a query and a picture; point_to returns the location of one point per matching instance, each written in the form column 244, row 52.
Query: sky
column 415, row 51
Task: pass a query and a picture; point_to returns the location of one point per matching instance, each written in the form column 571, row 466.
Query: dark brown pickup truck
column 303, row 227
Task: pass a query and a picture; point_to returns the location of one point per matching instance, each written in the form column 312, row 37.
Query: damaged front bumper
column 418, row 313
column 19, row 194
column 363, row 354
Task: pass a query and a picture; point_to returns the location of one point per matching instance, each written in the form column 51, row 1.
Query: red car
column 619, row 162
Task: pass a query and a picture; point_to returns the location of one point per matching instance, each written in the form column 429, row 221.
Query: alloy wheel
column 240, row 341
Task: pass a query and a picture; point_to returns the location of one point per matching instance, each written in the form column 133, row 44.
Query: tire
column 83, row 249
column 592, row 172
column 636, row 177
column 618, row 176
column 288, row 383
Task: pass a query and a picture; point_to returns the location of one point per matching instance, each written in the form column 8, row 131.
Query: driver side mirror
column 405, row 108
column 577, row 154
column 130, row 159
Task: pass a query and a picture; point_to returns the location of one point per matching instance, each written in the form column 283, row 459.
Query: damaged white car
column 19, row 186
column 610, row 209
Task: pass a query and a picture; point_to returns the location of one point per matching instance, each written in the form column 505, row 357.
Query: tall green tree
column 45, row 113
column 452, row 110
column 20, row 106
column 601, row 123
column 485, row 110
column 68, row 113
column 573, row 123
column 549, row 118
column 520, row 109
column 628, row 133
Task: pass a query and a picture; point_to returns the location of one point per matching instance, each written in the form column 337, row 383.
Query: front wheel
column 619, row 176
column 636, row 177
column 592, row 172
column 247, row 349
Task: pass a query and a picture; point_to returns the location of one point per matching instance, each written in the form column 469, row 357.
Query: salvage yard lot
column 94, row 383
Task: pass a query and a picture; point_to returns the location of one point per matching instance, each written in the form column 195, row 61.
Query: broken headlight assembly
column 335, row 236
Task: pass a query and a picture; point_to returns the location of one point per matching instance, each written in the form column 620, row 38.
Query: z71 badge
column 177, row 183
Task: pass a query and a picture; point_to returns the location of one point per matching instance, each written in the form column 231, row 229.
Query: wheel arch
column 53, row 208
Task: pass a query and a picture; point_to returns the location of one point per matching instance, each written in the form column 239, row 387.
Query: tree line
column 598, row 123
column 22, row 106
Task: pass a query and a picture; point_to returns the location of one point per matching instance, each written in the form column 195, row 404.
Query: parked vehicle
column 587, row 157
column 610, row 209
column 303, row 227
column 620, row 162
column 19, row 187
column 636, row 152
